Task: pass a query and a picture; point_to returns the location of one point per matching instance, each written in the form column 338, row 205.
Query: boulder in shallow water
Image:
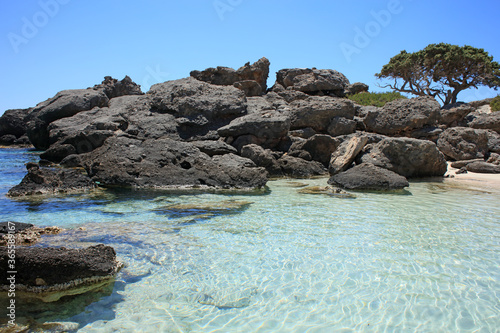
column 51, row 273
column 369, row 177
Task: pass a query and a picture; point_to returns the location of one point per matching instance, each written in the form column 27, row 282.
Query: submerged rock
column 19, row 233
column 326, row 190
column 369, row 177
column 207, row 209
column 51, row 273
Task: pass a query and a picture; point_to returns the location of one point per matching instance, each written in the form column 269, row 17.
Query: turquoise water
column 424, row 261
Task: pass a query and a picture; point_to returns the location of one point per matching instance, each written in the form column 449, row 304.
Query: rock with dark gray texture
column 12, row 124
column 66, row 103
column 313, row 81
column 166, row 163
column 320, row 147
column 40, row 180
column 494, row 159
column 270, row 125
column 299, row 168
column 403, row 115
column 317, row 112
column 461, row 164
column 262, row 158
column 489, row 121
column 453, row 115
column 114, row 88
column 368, row 177
column 212, row 148
column 482, row 167
column 406, row 156
column 252, row 79
column 427, row 133
column 48, row 273
column 304, row 133
column 463, row 143
column 346, row 153
column 341, row 126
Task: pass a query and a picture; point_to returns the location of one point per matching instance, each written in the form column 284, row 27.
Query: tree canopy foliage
column 442, row 71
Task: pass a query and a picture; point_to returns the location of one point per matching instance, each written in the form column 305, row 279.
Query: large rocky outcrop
column 402, row 116
column 313, row 81
column 368, row 177
column 342, row 158
column 114, row 88
column 40, row 180
column 13, row 127
column 463, row 143
column 50, row 273
column 166, row 163
column 486, row 121
column 252, row 79
column 406, row 156
column 317, row 112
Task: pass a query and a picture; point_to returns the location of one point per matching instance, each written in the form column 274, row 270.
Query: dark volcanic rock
column 51, row 181
column 463, row 143
column 317, row 112
column 341, row 126
column 403, row 115
column 407, row 157
column 368, row 177
column 12, row 124
column 270, row 125
column 454, row 114
column 42, row 270
column 166, row 163
column 486, row 121
column 262, row 158
column 320, row 147
column 299, row 168
column 64, row 104
column 252, row 79
column 482, row 167
column 313, row 81
column 356, row 88
column 212, row 148
column 114, row 88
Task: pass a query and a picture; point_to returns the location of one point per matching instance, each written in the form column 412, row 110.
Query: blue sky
column 52, row 45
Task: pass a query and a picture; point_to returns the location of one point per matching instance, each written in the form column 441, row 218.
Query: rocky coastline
column 225, row 129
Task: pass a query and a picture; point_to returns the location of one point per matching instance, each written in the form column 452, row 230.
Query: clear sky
column 51, row 45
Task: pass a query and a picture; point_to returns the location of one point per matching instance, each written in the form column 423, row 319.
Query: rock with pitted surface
column 341, row 126
column 252, row 79
column 482, row 167
column 317, row 112
column 453, row 115
column 41, row 180
column 402, row 116
column 299, row 168
column 64, row 104
column 269, row 125
column 406, row 156
column 167, row 163
column 262, row 158
column 114, row 88
column 463, row 143
column 50, row 273
column 486, row 121
column 12, row 126
column 369, row 177
column 313, row 81
column 356, row 88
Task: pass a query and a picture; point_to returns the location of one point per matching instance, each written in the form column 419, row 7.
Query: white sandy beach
column 473, row 179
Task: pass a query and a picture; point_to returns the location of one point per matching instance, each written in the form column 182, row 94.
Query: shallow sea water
column 426, row 260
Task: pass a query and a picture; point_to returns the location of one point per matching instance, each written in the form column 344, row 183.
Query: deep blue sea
column 427, row 260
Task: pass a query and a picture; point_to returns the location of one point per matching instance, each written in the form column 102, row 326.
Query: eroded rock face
column 313, row 81
column 463, row 143
column 50, row 273
column 346, row 153
column 486, row 121
column 252, row 79
column 454, row 114
column 407, row 157
column 368, row 177
column 402, row 116
column 114, row 88
column 13, row 126
column 166, row 163
column 41, row 180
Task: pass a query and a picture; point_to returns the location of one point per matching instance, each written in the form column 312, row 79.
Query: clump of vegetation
column 495, row 104
column 375, row 99
column 441, row 71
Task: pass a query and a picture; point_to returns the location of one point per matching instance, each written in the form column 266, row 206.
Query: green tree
column 442, row 71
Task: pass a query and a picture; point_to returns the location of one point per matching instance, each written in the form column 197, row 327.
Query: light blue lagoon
column 422, row 261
